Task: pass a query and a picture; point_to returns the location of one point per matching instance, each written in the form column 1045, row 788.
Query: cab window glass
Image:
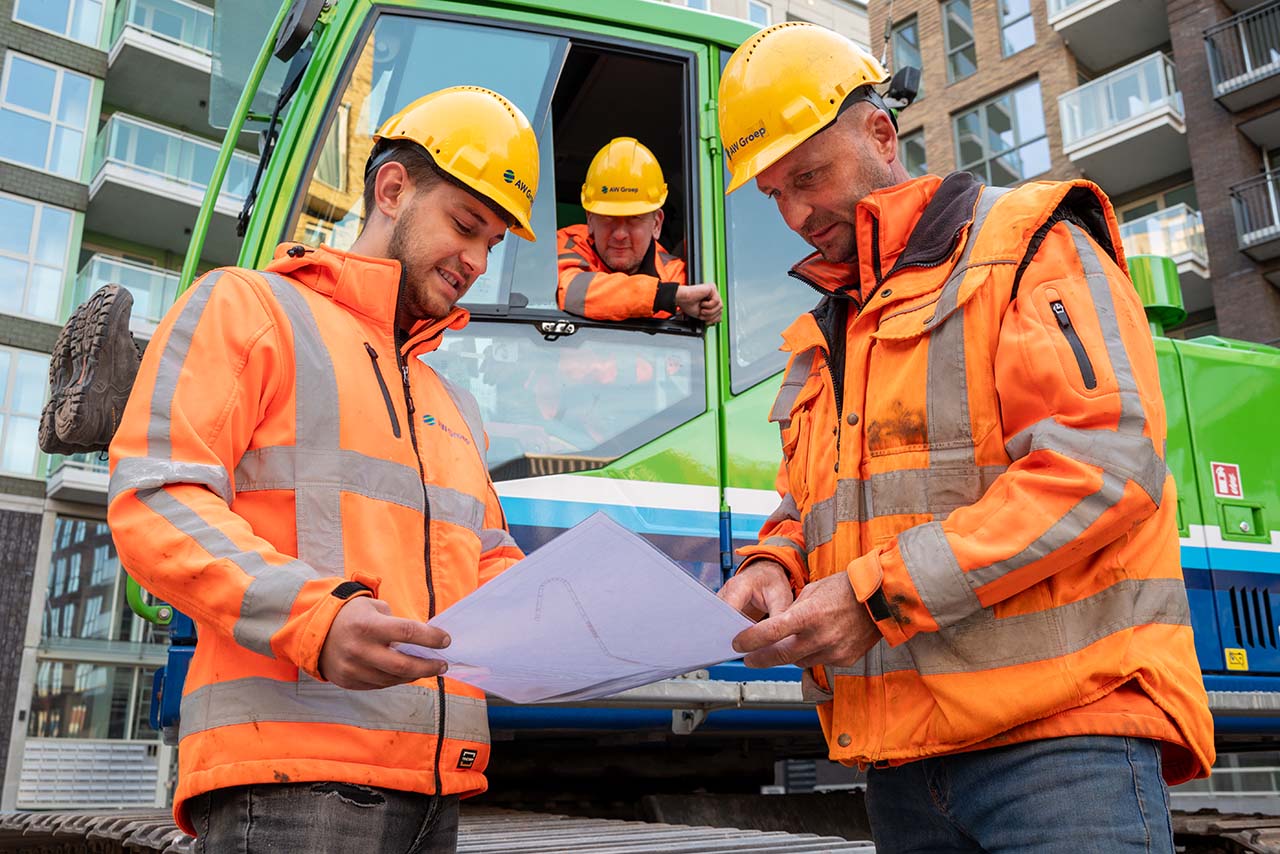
column 405, row 59
column 576, row 403
column 763, row 299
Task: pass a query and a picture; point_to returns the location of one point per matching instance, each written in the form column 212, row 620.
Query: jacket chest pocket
column 929, row 401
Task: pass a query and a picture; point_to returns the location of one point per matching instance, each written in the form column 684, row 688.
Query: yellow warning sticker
column 1237, row 659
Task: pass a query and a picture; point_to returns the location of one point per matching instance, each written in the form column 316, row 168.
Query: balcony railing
column 1256, row 204
column 1057, row 7
column 1244, row 49
column 92, row 462
column 1175, row 232
column 153, row 289
column 1124, row 95
column 176, row 157
column 182, row 23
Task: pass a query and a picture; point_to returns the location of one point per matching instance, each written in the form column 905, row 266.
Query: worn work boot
column 91, row 372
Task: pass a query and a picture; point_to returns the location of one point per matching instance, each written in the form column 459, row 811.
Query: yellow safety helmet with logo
column 479, row 138
column 624, row 179
column 783, row 85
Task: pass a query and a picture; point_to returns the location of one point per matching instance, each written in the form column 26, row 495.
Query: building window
column 78, row 20
column 957, row 27
column 1003, row 140
column 1017, row 28
column 22, row 385
column 35, row 240
column 911, row 153
column 906, row 49
column 332, row 168
column 759, row 13
column 43, row 112
column 1184, row 194
column 700, row 5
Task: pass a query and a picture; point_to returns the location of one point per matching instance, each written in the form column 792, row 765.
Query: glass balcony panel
column 1173, row 233
column 154, row 290
column 185, row 24
column 171, row 155
column 1123, row 95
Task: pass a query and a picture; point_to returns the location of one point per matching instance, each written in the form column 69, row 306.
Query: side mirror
column 903, row 87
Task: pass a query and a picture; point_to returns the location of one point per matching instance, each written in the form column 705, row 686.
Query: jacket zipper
column 1077, row 346
column 426, row 552
column 386, row 394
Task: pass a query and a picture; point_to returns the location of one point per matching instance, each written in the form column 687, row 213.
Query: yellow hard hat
column 481, row 139
column 783, row 85
column 624, row 179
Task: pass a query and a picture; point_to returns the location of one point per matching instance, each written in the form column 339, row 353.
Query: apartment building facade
column 1169, row 105
column 848, row 17
column 105, row 154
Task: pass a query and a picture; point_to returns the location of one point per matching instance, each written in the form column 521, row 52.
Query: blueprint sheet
column 595, row 611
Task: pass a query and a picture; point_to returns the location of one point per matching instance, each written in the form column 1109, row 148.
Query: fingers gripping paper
column 595, row 611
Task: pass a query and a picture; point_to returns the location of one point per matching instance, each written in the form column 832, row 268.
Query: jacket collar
column 364, row 285
column 917, row 223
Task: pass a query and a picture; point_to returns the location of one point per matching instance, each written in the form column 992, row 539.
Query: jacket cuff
column 866, row 575
column 665, row 298
column 323, row 614
column 795, row 575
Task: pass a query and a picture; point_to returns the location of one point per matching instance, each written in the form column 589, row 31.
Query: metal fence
column 1256, row 205
column 1244, row 48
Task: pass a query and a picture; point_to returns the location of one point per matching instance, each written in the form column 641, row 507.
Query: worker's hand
column 759, row 590
column 700, row 301
column 357, row 653
column 826, row 625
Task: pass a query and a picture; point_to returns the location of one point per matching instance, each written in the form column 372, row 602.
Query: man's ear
column 658, row 217
column 883, row 135
column 392, row 189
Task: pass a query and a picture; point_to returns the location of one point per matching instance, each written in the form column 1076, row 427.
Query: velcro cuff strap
column 347, row 589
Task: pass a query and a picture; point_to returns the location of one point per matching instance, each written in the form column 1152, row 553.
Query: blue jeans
column 1075, row 795
column 322, row 818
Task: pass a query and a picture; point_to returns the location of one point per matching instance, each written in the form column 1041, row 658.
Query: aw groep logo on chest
column 510, row 177
column 430, row 421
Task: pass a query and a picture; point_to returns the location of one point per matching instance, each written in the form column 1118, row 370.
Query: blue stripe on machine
column 542, row 513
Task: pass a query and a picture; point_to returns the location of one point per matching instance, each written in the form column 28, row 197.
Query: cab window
column 558, row 393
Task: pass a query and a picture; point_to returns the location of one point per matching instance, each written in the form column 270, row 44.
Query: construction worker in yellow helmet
column 304, row 379
column 975, row 554
column 613, row 268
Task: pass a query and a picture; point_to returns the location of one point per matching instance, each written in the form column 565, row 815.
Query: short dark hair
column 423, row 171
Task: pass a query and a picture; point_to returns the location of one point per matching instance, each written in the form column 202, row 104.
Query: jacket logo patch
column 430, row 421
column 467, row 758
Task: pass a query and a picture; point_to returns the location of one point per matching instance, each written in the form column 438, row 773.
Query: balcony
column 159, row 61
column 1178, row 233
column 1127, row 128
column 1256, row 205
column 1244, row 57
column 1090, row 28
column 81, row 478
column 154, row 289
column 149, row 181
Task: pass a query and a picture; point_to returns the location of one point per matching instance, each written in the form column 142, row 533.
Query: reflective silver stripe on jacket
column 985, row 642
column 495, row 538
column 470, row 412
column 287, row 467
column 575, row 296
column 401, row 708
column 317, row 505
column 150, row 473
column 264, row 608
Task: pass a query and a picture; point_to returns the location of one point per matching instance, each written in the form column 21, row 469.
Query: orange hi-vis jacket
column 281, row 453
column 588, row 288
column 989, row 472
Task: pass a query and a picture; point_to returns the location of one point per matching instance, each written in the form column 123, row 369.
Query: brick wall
column 1048, row 59
column 22, row 181
column 1247, row 305
column 19, row 539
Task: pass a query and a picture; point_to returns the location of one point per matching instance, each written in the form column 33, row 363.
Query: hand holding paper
column 595, row 611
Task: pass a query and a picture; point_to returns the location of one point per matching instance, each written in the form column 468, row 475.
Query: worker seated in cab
column 613, row 267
